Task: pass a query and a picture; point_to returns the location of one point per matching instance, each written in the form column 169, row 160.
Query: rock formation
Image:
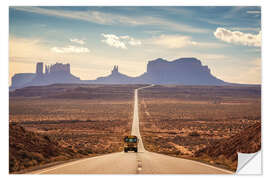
column 183, row 71
column 56, row 73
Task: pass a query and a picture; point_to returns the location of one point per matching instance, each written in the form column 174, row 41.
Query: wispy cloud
column 257, row 29
column 112, row 18
column 214, row 21
column 253, row 12
column 171, row 41
column 120, row 41
column 237, row 37
column 78, row 41
column 175, row 10
column 26, row 47
column 179, row 41
column 70, row 49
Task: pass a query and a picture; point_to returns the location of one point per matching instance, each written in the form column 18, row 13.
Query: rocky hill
column 225, row 152
column 28, row 149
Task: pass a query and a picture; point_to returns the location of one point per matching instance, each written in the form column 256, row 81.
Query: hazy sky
column 93, row 39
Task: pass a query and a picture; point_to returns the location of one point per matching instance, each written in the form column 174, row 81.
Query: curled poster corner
column 249, row 163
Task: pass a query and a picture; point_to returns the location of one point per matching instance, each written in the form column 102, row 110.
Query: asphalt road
column 143, row 162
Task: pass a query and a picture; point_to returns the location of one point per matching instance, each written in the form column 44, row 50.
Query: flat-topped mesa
column 186, row 71
column 162, row 64
column 55, row 68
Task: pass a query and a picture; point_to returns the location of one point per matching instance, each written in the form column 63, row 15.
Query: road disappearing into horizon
column 142, row 162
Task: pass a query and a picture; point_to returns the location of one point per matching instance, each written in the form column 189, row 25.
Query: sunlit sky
column 93, row 39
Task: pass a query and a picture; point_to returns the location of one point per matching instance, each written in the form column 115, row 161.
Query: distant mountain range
column 183, row 71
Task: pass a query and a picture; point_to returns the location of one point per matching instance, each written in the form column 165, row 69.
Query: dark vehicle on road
column 131, row 143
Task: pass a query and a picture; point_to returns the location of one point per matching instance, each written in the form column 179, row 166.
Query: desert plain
column 61, row 122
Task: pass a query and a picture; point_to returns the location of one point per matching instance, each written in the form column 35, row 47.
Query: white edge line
column 224, row 170
column 70, row 163
column 201, row 163
column 60, row 166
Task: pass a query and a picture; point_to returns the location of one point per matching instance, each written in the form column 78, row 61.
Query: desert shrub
column 89, row 151
column 30, row 163
column 58, row 158
column 82, row 152
column 194, row 133
column 13, row 164
column 37, row 156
